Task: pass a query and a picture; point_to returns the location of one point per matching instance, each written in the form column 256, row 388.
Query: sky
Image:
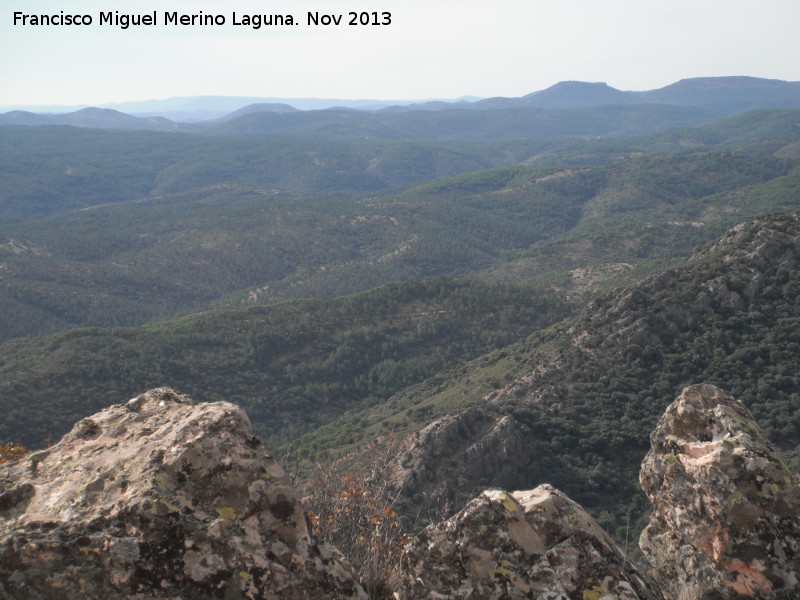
column 431, row 48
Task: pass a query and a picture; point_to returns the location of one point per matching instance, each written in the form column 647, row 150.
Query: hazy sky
column 432, row 49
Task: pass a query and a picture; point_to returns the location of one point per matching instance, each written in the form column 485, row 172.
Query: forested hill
column 230, row 243
column 573, row 405
column 293, row 366
column 50, row 170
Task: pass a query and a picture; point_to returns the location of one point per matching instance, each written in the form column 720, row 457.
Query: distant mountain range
column 192, row 109
column 96, row 118
column 716, row 96
column 721, row 95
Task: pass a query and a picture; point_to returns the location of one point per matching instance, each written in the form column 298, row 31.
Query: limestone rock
column 726, row 512
column 159, row 498
column 534, row 544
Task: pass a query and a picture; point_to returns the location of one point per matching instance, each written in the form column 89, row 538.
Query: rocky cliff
column 726, row 511
column 159, row 498
column 488, row 444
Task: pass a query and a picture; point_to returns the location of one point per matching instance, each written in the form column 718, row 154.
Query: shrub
column 355, row 514
column 11, row 451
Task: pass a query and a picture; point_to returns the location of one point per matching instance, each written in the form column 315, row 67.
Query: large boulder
column 536, row 544
column 726, row 511
column 160, row 498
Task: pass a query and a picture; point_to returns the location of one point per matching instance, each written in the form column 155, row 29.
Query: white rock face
column 160, row 498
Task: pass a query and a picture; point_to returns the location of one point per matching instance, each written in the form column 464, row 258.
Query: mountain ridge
column 573, row 405
column 722, row 96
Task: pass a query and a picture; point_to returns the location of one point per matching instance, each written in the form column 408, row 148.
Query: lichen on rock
column 532, row 544
column 726, row 511
column 160, row 498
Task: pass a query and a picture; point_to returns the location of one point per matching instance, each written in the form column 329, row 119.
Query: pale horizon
column 431, row 50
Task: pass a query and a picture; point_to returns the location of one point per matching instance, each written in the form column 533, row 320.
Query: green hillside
column 57, row 168
column 293, row 366
column 228, row 245
column 584, row 395
column 50, row 170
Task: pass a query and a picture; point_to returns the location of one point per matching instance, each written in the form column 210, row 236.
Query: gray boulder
column 160, row 498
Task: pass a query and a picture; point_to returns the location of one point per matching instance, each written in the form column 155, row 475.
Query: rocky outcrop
column 534, row 544
column 726, row 511
column 160, row 498
column 165, row 498
column 488, row 444
column 725, row 525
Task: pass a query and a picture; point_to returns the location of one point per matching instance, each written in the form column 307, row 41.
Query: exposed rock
column 160, row 498
column 534, row 544
column 484, row 442
column 726, row 520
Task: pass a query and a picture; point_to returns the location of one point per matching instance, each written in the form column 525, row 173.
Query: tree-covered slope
column 293, row 366
column 573, row 405
column 646, row 218
column 56, row 168
column 50, row 170
column 129, row 262
column 105, row 228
